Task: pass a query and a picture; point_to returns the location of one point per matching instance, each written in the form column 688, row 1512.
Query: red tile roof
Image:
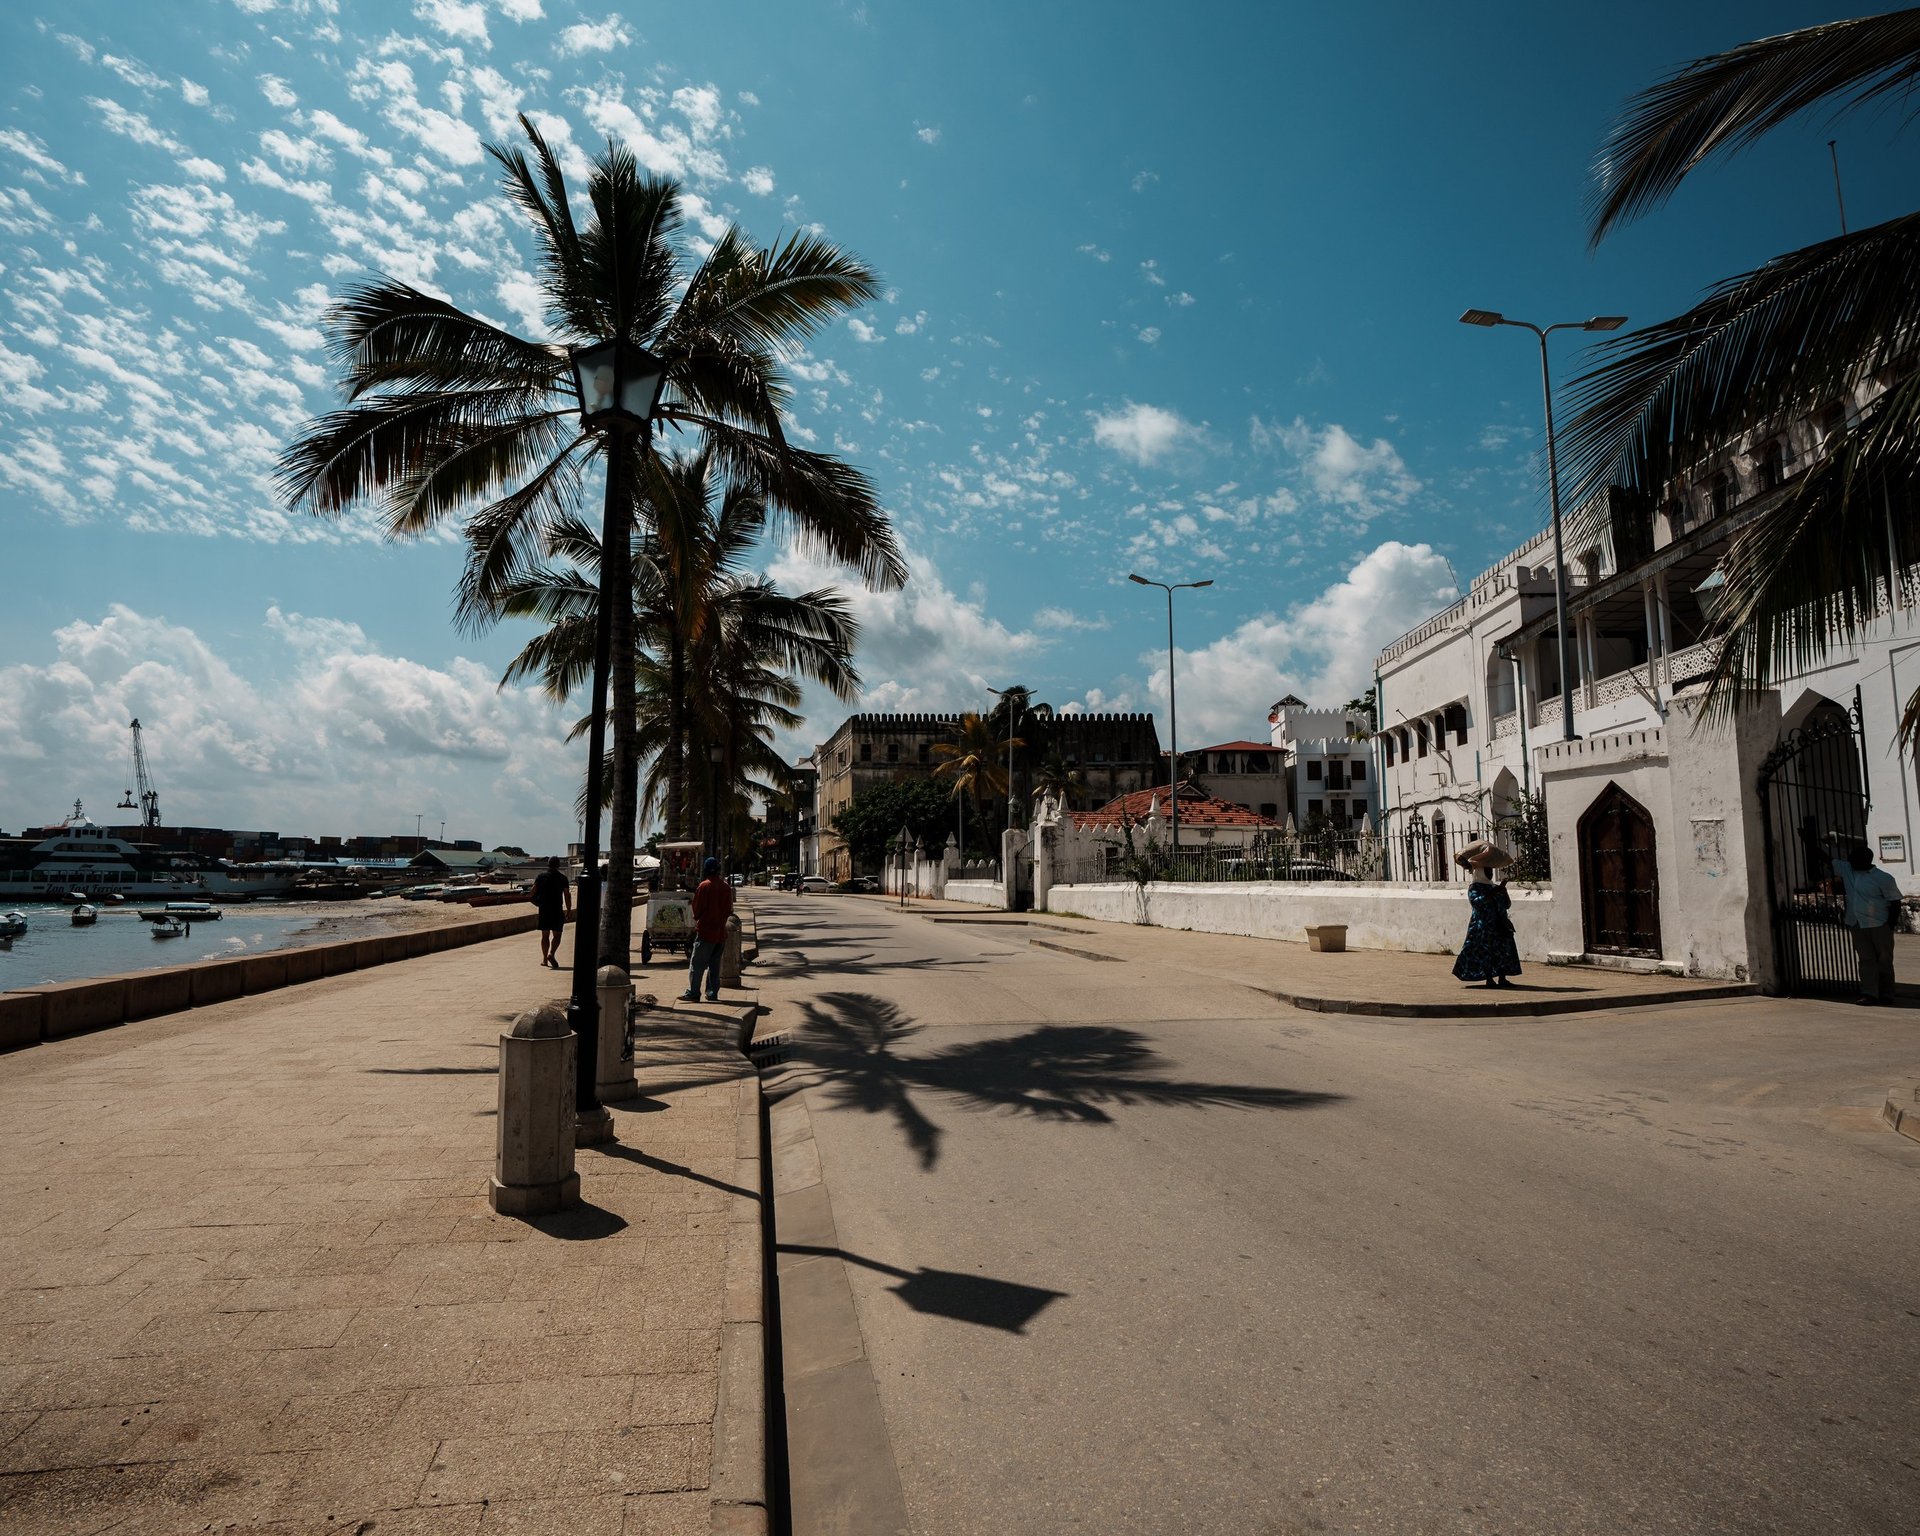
column 1234, row 746
column 1196, row 810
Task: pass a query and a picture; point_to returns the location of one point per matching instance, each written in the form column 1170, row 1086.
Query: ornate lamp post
column 619, row 385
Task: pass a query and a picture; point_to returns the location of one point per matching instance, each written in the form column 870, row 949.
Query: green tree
column 1054, row 777
column 874, row 816
column 973, row 763
column 1766, row 348
column 447, row 414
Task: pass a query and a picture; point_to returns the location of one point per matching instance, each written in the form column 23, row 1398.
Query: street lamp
column 1039, row 712
column 1488, row 318
column 618, row 385
column 716, row 760
column 1173, row 707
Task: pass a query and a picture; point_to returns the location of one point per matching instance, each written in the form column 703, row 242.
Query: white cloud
column 1363, row 478
column 1142, row 433
column 1322, row 649
column 1148, row 334
column 278, row 92
column 1180, row 300
column 1150, row 270
column 758, row 180
column 594, row 36
column 929, row 134
column 521, row 10
column 863, row 332
column 193, row 94
column 1066, row 618
column 34, row 152
column 391, row 83
column 134, row 125
column 1144, row 179
column 1095, row 252
column 463, row 20
column 313, row 732
column 907, row 325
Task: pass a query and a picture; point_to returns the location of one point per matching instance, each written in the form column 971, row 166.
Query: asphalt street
column 1134, row 1249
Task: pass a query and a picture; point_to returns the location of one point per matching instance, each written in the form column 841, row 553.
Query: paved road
column 1193, row 1261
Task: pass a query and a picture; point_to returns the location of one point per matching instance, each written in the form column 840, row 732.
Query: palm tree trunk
column 676, row 807
column 616, row 921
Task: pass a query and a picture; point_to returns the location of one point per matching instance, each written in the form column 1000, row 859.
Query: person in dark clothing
column 712, row 906
column 1489, row 954
column 553, row 898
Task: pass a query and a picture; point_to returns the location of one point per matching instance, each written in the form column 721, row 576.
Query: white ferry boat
column 82, row 857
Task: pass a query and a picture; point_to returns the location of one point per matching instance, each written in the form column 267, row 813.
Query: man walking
column 712, row 906
column 553, row 899
column 1873, row 902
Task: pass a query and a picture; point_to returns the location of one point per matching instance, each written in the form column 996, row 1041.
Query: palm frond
column 1725, row 101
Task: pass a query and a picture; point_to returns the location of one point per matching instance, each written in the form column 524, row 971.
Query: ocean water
column 52, row 949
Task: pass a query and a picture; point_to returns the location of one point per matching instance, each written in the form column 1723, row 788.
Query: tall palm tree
column 974, row 762
column 1054, row 777
column 448, row 414
column 1767, row 347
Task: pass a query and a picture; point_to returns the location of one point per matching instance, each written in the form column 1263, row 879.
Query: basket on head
column 1482, row 853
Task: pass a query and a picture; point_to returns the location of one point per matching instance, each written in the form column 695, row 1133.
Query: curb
column 738, row 1476
column 1903, row 1116
column 1510, row 1010
column 1068, row 949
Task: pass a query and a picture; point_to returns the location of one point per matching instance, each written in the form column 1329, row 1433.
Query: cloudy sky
column 1170, row 295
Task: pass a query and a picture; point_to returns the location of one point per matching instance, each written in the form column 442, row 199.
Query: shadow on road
column 1055, row 1071
column 979, row 1299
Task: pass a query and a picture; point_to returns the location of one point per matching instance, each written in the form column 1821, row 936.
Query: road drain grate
column 769, row 1052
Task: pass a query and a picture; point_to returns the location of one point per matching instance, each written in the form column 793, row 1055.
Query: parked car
column 736, row 880
column 815, row 883
column 1310, row 869
column 863, row 883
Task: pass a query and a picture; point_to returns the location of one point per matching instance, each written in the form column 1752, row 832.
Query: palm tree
column 449, row 414
column 1767, row 347
column 974, row 763
column 1054, row 777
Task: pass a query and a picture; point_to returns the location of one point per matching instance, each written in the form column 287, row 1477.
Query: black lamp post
column 1173, row 704
column 716, row 760
column 619, row 385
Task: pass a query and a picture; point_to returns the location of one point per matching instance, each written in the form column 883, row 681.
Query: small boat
column 12, row 924
column 85, row 915
column 168, row 928
column 190, row 911
column 75, row 898
column 114, row 899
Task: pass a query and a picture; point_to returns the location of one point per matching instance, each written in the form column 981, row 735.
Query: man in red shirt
column 712, row 906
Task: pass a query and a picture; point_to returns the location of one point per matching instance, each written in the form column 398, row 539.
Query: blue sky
column 1168, row 293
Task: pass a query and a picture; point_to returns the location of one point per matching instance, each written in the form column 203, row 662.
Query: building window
column 1388, row 738
column 925, row 751
column 893, row 751
column 1336, row 775
column 1271, row 812
column 1357, row 773
column 1720, row 493
column 1420, row 736
column 1455, row 720
column 1313, row 771
column 1314, row 808
column 866, row 751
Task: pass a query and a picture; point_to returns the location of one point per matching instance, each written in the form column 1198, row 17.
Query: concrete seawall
column 56, row 1010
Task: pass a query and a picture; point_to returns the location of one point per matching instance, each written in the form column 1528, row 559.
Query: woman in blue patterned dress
column 1489, row 954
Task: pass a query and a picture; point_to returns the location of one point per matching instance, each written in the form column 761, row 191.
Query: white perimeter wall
column 1422, row 919
column 983, row 893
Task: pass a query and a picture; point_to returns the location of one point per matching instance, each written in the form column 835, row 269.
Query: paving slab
column 254, row 1279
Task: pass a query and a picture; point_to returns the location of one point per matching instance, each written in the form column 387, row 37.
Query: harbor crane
column 149, row 802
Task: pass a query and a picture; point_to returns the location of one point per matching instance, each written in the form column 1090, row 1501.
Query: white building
column 1675, row 841
column 1329, row 765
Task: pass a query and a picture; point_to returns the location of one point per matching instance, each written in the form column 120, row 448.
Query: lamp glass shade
column 619, row 383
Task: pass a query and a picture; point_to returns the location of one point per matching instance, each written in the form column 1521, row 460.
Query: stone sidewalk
column 1389, row 983
column 253, row 1283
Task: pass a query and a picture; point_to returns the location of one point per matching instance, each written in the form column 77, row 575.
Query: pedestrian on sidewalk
column 1489, row 954
column 1873, row 905
column 553, row 899
column 712, row 906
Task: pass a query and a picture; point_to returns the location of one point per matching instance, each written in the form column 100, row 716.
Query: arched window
column 1388, row 739
column 1455, row 720
column 1500, row 686
column 1769, row 470
column 1420, row 736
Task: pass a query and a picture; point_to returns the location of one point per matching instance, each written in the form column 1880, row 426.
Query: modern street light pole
column 1039, row 712
column 1173, row 706
column 1487, row 317
column 619, row 385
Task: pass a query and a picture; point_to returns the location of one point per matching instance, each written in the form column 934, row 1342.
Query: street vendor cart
column 670, row 902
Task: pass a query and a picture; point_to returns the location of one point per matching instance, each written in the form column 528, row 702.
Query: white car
column 815, row 883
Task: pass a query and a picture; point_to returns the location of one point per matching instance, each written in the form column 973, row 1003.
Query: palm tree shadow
column 1065, row 1072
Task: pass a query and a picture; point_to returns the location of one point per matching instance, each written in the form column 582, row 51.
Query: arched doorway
column 1619, row 877
column 1813, row 806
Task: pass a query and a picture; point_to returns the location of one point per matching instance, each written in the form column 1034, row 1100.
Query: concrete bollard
column 730, row 956
column 614, row 1079
column 533, row 1171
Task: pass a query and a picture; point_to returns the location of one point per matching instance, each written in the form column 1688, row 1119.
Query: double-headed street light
column 619, row 387
column 1038, row 711
column 1489, row 318
column 1173, row 707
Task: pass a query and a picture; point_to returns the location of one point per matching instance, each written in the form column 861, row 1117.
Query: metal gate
column 1813, row 804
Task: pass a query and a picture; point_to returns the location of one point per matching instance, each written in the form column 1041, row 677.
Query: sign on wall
column 1893, row 848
